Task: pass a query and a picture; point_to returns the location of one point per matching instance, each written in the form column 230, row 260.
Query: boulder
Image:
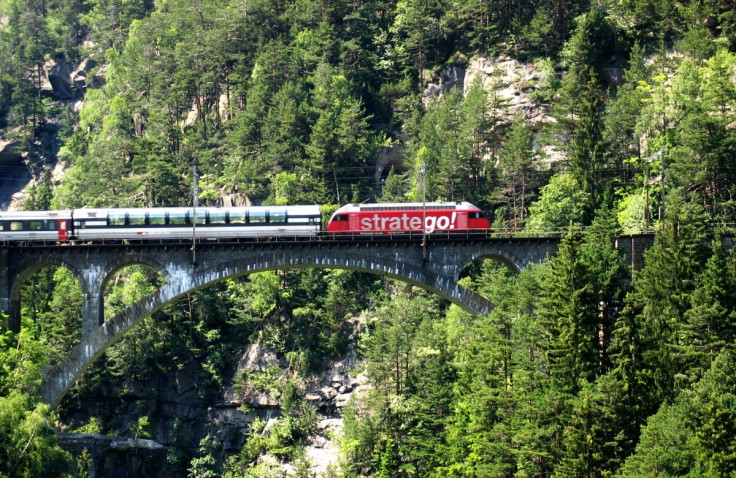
column 79, row 75
column 9, row 150
column 58, row 83
column 258, row 358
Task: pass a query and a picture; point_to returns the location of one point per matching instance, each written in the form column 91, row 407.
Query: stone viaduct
column 435, row 267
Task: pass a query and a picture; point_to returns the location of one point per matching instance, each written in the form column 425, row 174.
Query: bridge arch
column 27, row 269
column 509, row 262
column 58, row 380
column 111, row 268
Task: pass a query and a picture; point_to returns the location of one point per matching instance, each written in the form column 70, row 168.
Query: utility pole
column 646, row 195
column 424, row 210
column 195, row 196
column 648, row 162
column 661, row 202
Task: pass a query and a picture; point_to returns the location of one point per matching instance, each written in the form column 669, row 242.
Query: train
column 223, row 223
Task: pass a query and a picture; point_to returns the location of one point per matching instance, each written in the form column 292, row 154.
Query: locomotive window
column 217, row 217
column 137, row 219
column 16, row 226
column 177, row 218
column 277, row 216
column 257, row 217
column 157, row 218
column 116, row 219
column 237, row 217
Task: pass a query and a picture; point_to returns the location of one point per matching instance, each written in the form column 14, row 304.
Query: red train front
column 407, row 217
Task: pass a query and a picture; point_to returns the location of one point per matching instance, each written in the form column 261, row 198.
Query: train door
column 63, row 228
column 353, row 222
column 461, row 221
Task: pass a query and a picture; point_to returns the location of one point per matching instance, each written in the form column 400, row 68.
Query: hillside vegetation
column 580, row 370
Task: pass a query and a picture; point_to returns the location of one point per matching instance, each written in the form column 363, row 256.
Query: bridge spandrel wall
column 634, row 247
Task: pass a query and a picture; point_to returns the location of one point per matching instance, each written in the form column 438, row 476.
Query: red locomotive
column 408, row 217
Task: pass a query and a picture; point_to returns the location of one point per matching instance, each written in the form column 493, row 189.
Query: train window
column 257, row 217
column 237, row 217
column 35, row 225
column 201, row 217
column 217, row 217
column 16, row 226
column 157, row 218
column 137, row 219
column 277, row 216
column 341, row 217
column 116, row 219
column 177, row 218
column 51, row 225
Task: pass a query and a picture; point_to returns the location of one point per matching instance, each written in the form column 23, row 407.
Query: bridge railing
column 412, row 236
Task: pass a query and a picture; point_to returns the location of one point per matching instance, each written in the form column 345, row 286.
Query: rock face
column 113, row 457
column 513, row 81
column 62, row 82
column 12, row 161
column 329, row 391
column 514, row 84
column 177, row 411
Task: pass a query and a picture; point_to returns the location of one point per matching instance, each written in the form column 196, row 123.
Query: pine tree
column 657, row 305
column 711, row 320
column 516, row 170
column 569, row 312
column 590, row 435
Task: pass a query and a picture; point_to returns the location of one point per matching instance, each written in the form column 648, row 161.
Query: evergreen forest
column 584, row 368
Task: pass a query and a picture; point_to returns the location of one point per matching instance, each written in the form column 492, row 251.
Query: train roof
column 102, row 212
column 26, row 215
column 402, row 206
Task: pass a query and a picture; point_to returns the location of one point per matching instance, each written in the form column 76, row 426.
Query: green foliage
column 94, row 426
column 205, row 464
column 139, row 429
column 281, row 438
column 569, row 312
column 27, row 442
column 562, row 202
column 662, row 297
column 693, row 436
column 516, row 171
column 453, row 141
